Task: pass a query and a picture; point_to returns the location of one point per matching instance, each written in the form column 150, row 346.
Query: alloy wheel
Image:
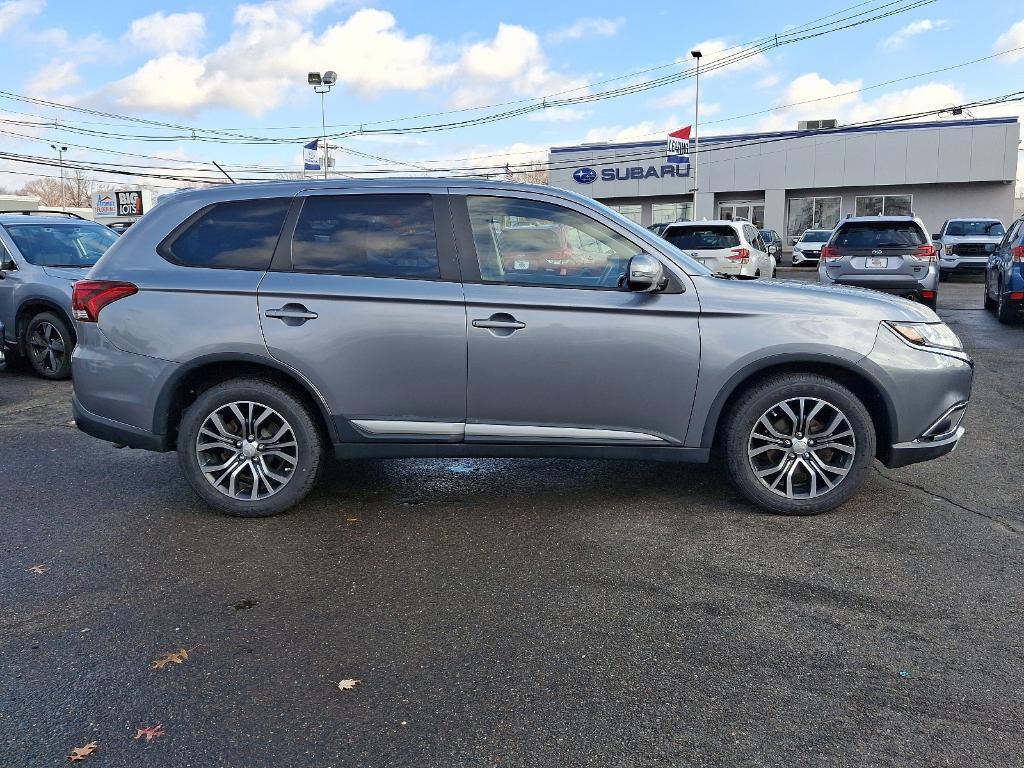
column 247, row 450
column 47, row 347
column 801, row 448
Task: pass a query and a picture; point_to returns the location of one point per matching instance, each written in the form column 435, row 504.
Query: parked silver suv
column 886, row 253
column 255, row 328
column 41, row 255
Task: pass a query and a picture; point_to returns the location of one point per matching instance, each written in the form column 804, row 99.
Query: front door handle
column 292, row 314
column 500, row 324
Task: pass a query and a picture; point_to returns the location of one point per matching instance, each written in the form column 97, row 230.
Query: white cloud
column 1009, row 40
column 768, row 81
column 813, row 97
column 164, row 33
column 13, row 11
column 913, row 29
column 513, row 62
column 558, row 115
column 57, row 74
column 588, row 27
column 274, row 44
column 644, row 130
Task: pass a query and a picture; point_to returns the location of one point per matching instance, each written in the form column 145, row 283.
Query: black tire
column 990, row 303
column 932, row 303
column 48, row 343
column 775, row 274
column 309, row 448
column 762, row 399
column 1006, row 312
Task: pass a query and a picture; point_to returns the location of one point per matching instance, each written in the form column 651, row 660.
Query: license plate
column 874, row 262
column 520, row 264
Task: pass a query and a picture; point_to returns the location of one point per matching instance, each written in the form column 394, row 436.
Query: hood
column 972, row 238
column 796, row 299
column 67, row 273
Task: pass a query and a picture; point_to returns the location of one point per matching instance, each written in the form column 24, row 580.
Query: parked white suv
column 727, row 247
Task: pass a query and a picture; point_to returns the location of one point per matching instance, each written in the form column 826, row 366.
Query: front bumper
column 963, row 263
column 915, row 451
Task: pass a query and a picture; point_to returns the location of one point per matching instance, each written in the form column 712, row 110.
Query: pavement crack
column 1009, row 527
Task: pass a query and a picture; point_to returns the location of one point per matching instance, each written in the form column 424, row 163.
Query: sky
column 240, row 68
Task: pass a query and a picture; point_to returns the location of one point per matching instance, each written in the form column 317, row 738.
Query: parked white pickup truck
column 965, row 244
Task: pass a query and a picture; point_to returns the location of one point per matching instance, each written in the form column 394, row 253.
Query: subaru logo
column 584, row 175
column 876, row 252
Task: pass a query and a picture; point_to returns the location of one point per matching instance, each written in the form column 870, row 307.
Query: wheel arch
column 31, row 307
column 191, row 380
column 867, row 388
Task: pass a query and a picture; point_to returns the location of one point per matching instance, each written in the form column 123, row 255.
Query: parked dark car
column 1004, row 276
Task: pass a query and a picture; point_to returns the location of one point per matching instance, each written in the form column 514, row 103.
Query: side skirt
column 393, row 450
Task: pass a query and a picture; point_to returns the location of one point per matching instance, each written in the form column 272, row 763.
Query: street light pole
column 696, row 136
column 322, row 85
column 60, row 161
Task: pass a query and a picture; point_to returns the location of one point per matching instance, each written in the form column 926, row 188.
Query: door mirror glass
column 645, row 274
column 7, row 264
column 773, row 249
column 936, row 237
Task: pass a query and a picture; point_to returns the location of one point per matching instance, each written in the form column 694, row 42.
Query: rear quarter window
column 239, row 234
column 879, row 234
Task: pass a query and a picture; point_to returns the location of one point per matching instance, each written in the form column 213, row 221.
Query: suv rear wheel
column 249, row 448
column 48, row 344
column 798, row 444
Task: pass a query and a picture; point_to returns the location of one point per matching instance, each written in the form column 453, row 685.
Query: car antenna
column 223, row 171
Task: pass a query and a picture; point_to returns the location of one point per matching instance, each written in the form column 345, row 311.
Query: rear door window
column 367, row 235
column 879, row 234
column 703, row 237
column 239, row 234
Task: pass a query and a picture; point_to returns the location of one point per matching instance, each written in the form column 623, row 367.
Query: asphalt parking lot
column 515, row 613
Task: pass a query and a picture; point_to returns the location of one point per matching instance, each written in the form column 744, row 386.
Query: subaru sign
column 584, row 175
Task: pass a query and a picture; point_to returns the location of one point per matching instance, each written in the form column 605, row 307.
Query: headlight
column 797, row 249
column 927, row 335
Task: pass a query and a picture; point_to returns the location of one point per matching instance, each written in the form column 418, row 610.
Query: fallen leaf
column 349, row 685
column 150, row 732
column 174, row 657
column 80, row 753
column 38, row 569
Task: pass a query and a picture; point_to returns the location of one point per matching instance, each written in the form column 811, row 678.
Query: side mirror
column 936, row 237
column 773, row 249
column 645, row 274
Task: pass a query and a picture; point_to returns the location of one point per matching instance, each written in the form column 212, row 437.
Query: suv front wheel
column 798, row 444
column 249, row 448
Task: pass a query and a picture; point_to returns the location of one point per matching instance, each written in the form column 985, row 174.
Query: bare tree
column 528, row 173
column 76, row 192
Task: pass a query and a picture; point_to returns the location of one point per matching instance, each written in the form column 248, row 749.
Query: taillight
column 739, row 255
column 926, row 253
column 1017, row 252
column 88, row 297
column 828, row 253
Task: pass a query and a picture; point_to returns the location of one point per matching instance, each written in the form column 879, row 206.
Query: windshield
column 816, row 236
column 879, row 234
column 61, row 245
column 980, row 228
column 703, row 237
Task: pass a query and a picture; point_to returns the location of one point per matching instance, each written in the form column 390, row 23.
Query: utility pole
column 696, row 134
column 60, row 160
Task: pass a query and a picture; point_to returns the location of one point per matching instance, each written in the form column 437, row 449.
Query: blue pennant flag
column 310, row 156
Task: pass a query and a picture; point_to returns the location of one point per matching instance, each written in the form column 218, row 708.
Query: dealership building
column 790, row 181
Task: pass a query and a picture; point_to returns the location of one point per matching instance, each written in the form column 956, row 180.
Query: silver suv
column 41, row 255
column 256, row 329
column 886, row 253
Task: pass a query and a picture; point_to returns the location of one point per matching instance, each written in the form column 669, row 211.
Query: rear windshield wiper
column 724, row 276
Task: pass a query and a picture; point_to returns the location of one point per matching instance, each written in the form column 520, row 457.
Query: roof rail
column 37, row 212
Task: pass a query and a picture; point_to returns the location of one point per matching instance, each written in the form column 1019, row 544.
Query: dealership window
column 535, row 243
column 666, row 213
column 885, row 205
column 811, row 213
column 631, row 212
column 752, row 212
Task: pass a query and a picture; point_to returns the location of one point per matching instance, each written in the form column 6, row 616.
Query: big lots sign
column 129, row 203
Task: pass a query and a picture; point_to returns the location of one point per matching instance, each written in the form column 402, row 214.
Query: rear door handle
column 293, row 314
